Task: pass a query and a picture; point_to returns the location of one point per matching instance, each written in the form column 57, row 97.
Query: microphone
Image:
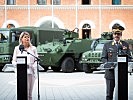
column 122, row 52
column 119, row 49
column 21, row 48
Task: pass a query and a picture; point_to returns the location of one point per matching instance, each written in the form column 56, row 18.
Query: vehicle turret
column 107, row 36
column 71, row 34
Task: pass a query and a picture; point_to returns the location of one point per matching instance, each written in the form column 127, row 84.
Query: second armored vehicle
column 91, row 59
column 64, row 54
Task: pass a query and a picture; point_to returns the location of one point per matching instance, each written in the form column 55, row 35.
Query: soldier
column 109, row 54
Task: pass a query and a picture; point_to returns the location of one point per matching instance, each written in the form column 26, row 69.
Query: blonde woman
column 24, row 40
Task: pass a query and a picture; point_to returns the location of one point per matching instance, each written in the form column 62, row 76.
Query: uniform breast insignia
column 124, row 47
column 111, row 49
column 110, row 54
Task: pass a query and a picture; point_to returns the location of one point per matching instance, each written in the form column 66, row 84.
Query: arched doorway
column 86, row 31
column 117, row 21
column 10, row 26
column 48, row 24
column 47, row 21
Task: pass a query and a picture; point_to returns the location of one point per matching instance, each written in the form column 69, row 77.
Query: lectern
column 22, row 78
column 121, row 78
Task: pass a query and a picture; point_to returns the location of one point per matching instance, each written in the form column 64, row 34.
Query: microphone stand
column 121, row 52
column 129, row 56
column 37, row 59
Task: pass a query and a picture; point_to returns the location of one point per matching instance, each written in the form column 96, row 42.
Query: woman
column 24, row 39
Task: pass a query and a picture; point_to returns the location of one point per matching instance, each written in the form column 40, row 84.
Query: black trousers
column 110, row 84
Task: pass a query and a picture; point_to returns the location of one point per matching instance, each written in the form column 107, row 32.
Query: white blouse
column 31, row 61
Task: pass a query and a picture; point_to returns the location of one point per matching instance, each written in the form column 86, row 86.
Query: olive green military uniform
column 109, row 54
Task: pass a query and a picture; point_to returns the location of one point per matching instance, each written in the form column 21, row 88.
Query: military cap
column 117, row 28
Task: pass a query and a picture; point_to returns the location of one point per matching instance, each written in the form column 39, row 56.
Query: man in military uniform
column 109, row 54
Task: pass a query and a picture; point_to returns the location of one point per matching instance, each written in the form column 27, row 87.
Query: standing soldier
column 109, row 54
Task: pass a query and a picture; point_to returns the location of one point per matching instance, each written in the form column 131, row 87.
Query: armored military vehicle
column 130, row 42
column 130, row 66
column 64, row 54
column 92, row 59
column 4, row 46
column 9, row 38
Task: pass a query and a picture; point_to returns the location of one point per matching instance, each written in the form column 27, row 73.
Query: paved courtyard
column 61, row 86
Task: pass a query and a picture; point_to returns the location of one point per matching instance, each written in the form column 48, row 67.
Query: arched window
column 48, row 24
column 10, row 26
column 86, row 26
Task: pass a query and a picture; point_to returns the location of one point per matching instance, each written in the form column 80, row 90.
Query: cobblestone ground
column 61, row 86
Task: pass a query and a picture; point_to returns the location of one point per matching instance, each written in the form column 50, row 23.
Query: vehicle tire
column 87, row 68
column 79, row 67
column 56, row 69
column 67, row 65
column 45, row 69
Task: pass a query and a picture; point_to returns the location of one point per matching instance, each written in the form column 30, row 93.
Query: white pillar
column 100, row 18
column 52, row 15
column 29, row 12
column 76, row 13
column 6, row 12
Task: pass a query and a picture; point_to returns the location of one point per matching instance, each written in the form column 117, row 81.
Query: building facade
column 92, row 17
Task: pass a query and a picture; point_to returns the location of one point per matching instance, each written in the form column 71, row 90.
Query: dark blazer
column 109, row 54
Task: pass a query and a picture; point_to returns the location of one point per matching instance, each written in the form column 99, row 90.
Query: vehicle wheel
column 79, row 67
column 45, row 69
column 67, row 65
column 56, row 69
column 87, row 68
